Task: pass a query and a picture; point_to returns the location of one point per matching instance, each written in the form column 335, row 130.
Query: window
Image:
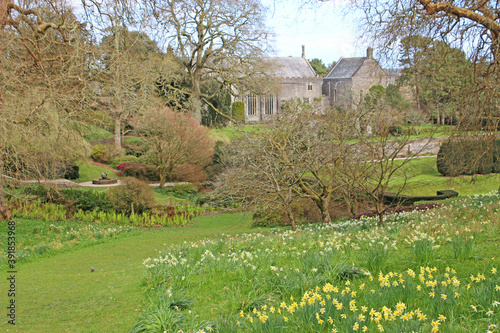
column 309, row 87
column 269, row 105
column 252, row 105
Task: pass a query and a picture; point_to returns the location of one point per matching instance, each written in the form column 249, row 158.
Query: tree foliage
column 471, row 26
column 440, row 74
column 213, row 40
column 43, row 85
column 173, row 139
column 319, row 67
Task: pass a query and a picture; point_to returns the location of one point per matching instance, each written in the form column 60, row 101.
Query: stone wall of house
column 367, row 76
column 337, row 92
column 304, row 88
column 262, row 108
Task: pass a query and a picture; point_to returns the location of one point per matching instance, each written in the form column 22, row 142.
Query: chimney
column 369, row 53
column 303, row 51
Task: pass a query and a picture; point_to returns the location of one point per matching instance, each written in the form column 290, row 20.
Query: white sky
column 326, row 33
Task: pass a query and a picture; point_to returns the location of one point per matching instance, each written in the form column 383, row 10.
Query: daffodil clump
column 420, row 272
column 428, row 300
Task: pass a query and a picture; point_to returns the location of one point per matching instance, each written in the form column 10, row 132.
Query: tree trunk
column 118, row 131
column 196, row 99
column 291, row 217
column 380, row 219
column 417, row 97
column 380, row 209
column 325, row 214
column 323, row 204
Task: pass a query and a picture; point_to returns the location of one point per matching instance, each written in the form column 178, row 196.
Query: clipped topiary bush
column 239, row 111
column 395, row 199
column 469, row 156
column 135, row 196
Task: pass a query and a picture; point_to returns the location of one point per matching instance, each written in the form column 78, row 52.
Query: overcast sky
column 326, row 33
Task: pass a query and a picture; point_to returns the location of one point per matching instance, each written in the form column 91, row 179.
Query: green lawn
column 424, row 179
column 94, row 133
column 58, row 293
column 418, row 271
column 228, row 133
column 89, row 171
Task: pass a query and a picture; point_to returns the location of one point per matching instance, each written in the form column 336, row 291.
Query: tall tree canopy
column 473, row 26
column 213, row 39
column 439, row 73
column 43, row 76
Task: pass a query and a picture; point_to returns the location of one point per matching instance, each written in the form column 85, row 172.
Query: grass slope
column 421, row 272
column 60, row 294
column 89, row 171
column 424, row 179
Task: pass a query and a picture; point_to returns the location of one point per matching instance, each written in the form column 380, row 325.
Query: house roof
column 346, row 68
column 288, row 67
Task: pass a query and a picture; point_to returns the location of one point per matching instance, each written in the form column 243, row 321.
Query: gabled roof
column 346, row 68
column 291, row 67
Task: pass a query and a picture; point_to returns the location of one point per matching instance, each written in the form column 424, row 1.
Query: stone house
column 344, row 86
column 295, row 79
column 351, row 78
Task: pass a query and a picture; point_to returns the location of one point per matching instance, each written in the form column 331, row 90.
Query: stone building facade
column 344, row 86
column 296, row 79
column 351, row 78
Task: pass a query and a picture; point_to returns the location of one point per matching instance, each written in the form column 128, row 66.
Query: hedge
column 239, row 111
column 469, row 156
column 394, row 199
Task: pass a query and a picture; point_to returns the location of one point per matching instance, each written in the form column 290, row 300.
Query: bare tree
column 126, row 64
column 43, row 83
column 297, row 155
column 379, row 156
column 256, row 174
column 214, row 39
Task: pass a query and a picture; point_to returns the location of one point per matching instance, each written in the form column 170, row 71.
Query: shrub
column 180, row 189
column 239, row 111
column 267, row 218
column 306, row 212
column 135, row 196
column 98, row 152
column 105, row 153
column 124, row 159
column 135, row 170
column 191, row 173
column 86, row 200
column 213, row 199
column 395, row 130
column 468, row 156
column 71, row 171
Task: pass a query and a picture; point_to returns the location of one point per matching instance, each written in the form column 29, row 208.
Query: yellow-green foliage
column 239, row 111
